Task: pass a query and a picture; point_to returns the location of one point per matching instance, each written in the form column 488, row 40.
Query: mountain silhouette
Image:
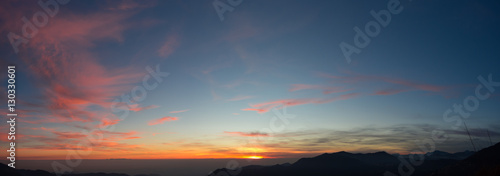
column 8, row 171
column 437, row 154
column 485, row 162
column 348, row 164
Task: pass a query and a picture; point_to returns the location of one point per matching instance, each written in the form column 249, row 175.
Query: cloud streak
column 136, row 107
column 162, row 120
column 326, row 89
column 169, row 46
column 240, row 97
column 403, row 85
column 185, row 110
column 251, row 134
column 266, row 106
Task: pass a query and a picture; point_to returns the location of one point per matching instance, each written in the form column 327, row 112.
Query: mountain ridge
column 352, row 164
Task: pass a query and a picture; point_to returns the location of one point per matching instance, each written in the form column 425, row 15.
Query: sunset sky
column 233, row 83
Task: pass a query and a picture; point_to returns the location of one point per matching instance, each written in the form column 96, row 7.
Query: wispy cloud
column 403, row 85
column 326, row 89
column 137, row 108
column 401, row 138
column 251, row 134
column 169, row 46
column 57, row 137
column 173, row 112
column 130, row 5
column 108, row 122
column 390, row 91
column 73, row 84
column 266, row 106
column 239, row 97
column 162, row 120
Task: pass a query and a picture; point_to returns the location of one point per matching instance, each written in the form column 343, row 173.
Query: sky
column 250, row 79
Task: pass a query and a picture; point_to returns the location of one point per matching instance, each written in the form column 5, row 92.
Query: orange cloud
column 162, row 120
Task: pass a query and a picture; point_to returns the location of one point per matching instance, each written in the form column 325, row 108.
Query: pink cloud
column 74, row 86
column 173, row 112
column 162, row 120
column 256, row 109
column 108, row 122
column 169, row 46
column 69, row 76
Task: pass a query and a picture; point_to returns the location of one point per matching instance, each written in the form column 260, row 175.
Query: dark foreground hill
column 486, row 162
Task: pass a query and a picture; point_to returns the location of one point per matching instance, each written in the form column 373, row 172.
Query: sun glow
column 253, row 157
